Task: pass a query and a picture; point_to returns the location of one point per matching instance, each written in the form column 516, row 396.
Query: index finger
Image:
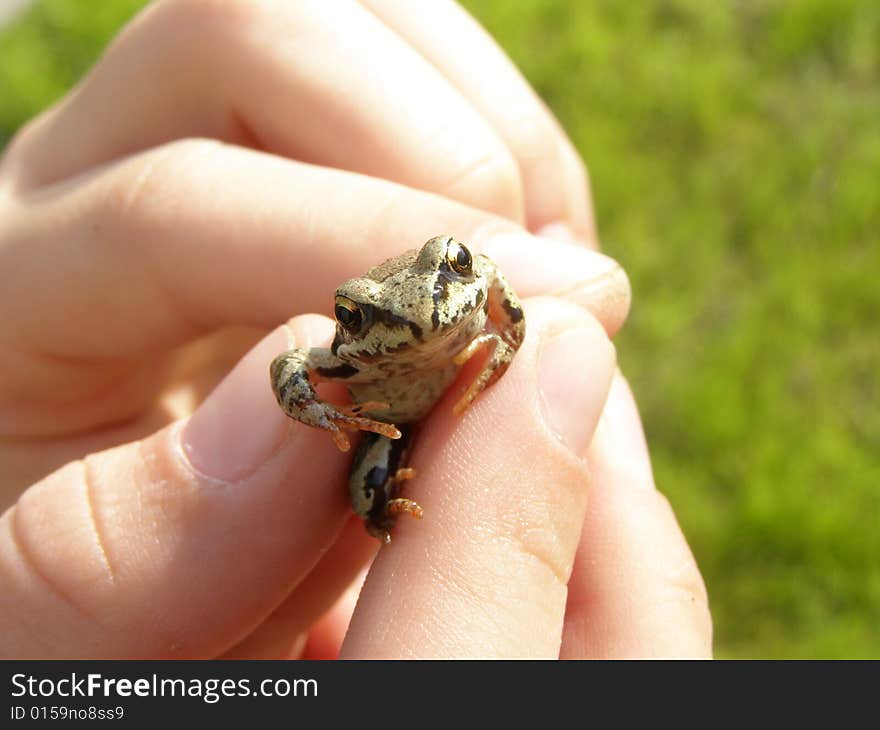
column 216, row 235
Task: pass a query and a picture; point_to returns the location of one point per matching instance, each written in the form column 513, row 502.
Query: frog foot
column 401, row 505
column 393, row 508
column 348, row 418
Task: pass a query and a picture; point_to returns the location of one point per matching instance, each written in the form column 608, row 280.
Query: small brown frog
column 403, row 331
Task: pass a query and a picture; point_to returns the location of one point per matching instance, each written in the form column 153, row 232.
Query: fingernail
column 608, row 296
column 571, row 399
column 547, row 266
column 239, row 426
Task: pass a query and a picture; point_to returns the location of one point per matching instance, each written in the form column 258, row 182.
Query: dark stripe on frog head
column 469, row 306
column 513, row 311
column 339, row 371
column 392, row 320
column 445, row 276
column 370, row 316
column 440, row 292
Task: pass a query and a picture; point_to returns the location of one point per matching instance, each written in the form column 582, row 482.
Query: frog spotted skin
column 403, row 331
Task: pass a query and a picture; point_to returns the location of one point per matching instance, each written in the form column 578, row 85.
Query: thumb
column 177, row 545
column 504, row 491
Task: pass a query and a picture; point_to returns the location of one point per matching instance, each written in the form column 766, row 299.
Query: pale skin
column 137, row 218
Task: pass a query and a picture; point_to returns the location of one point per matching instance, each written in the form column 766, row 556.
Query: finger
column 279, row 241
column 635, row 590
column 313, row 597
column 200, row 254
column 178, row 545
column 326, row 637
column 554, row 177
column 504, row 492
column 325, row 83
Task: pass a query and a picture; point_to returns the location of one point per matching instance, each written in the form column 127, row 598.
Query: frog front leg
column 293, row 375
column 505, row 313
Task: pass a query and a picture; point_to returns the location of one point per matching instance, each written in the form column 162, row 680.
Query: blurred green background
column 734, row 149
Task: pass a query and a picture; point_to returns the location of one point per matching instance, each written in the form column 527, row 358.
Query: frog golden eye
column 348, row 314
column 459, row 258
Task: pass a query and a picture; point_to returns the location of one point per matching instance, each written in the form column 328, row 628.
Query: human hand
column 129, row 239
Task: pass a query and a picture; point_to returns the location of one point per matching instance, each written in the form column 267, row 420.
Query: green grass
column 734, row 150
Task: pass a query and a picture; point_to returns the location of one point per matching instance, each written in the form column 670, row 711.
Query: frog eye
column 348, row 314
column 459, row 258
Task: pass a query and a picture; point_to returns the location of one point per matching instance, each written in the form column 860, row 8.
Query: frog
column 404, row 330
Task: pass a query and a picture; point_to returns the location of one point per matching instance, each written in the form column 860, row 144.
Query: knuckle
column 22, row 137
column 533, row 139
column 192, row 31
column 17, row 168
column 544, row 529
column 492, row 182
column 578, row 191
column 210, row 14
column 79, row 587
column 149, row 188
column 572, row 159
column 555, row 177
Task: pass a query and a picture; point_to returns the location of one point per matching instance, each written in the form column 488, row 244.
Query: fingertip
column 310, row 330
column 608, row 297
column 539, row 266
